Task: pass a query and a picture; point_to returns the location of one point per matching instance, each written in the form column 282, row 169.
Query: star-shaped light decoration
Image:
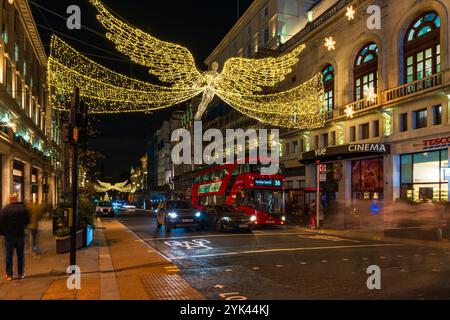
column 350, row 13
column 349, row 112
column 370, row 94
column 330, row 44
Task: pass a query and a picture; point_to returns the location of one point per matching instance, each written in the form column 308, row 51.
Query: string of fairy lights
column 243, row 83
column 123, row 187
column 104, row 90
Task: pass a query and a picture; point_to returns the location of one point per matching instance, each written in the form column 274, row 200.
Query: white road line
column 224, row 254
column 225, row 236
column 145, row 243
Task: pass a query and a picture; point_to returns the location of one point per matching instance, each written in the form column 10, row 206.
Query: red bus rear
column 243, row 186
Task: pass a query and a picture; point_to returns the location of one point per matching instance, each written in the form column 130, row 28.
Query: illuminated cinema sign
column 209, row 188
column 349, row 151
column 268, row 183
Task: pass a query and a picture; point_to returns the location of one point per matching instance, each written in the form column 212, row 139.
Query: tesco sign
column 438, row 142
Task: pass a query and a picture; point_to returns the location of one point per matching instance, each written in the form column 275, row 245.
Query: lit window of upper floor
column 366, row 71
column 422, row 49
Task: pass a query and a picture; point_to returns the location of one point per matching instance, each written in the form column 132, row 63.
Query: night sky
column 199, row 25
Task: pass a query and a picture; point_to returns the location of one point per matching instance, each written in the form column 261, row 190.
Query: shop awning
column 357, row 150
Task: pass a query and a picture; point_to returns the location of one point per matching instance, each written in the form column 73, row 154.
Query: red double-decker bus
column 243, row 186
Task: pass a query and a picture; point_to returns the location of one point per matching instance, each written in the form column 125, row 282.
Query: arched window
column 366, row 70
column 328, row 83
column 422, row 47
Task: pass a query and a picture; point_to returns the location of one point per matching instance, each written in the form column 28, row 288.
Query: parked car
column 178, row 214
column 105, row 208
column 225, row 217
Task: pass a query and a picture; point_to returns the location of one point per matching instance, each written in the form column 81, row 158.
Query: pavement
column 293, row 263
column 116, row 267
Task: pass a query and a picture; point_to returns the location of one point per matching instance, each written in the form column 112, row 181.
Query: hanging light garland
column 104, row 90
column 243, row 83
column 123, row 187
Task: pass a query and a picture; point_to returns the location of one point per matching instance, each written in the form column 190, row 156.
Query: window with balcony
column 376, row 128
column 364, row 131
column 295, row 147
column 366, row 71
column 352, row 134
column 403, row 122
column 333, row 138
column 437, row 115
column 420, row 119
column 422, row 47
column 328, row 83
column 325, row 140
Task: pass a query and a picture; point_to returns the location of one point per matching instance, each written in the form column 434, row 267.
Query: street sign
column 323, row 177
column 323, row 169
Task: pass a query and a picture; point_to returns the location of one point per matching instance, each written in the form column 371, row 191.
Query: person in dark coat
column 14, row 219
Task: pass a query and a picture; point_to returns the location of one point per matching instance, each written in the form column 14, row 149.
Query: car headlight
column 253, row 218
column 198, row 214
column 283, row 218
column 173, row 215
column 226, row 218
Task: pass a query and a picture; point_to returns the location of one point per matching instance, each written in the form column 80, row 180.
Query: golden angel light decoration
column 123, row 187
column 245, row 84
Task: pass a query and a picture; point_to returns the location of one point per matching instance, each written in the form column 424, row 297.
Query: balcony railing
column 395, row 95
column 413, row 88
column 358, row 106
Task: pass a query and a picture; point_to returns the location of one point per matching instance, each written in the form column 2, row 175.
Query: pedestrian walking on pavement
column 36, row 214
column 14, row 218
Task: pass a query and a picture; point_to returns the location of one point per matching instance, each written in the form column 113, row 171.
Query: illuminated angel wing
column 301, row 107
column 104, row 185
column 104, row 90
column 242, row 75
column 171, row 63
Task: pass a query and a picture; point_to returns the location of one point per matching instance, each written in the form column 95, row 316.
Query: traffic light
column 82, row 121
column 73, row 124
column 78, row 127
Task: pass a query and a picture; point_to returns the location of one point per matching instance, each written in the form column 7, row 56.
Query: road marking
column 224, row 254
column 326, row 238
column 324, row 261
column 172, row 269
column 345, row 260
column 303, row 263
column 383, row 258
column 229, row 270
column 226, row 236
column 145, row 243
column 256, row 268
column 195, row 244
column 219, row 286
column 279, row 266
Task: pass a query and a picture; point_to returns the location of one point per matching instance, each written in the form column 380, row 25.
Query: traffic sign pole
column 318, row 196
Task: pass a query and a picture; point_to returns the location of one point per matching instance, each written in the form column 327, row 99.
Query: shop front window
column 18, row 181
column 423, row 178
column 367, row 179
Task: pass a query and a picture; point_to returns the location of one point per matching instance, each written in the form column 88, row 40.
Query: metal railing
column 413, row 88
column 394, row 95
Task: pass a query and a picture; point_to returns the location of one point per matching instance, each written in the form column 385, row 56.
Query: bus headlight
column 173, row 215
column 253, row 218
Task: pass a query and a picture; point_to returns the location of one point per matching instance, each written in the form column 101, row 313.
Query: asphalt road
column 284, row 263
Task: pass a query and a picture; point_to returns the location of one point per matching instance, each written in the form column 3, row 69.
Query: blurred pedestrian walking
column 14, row 218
